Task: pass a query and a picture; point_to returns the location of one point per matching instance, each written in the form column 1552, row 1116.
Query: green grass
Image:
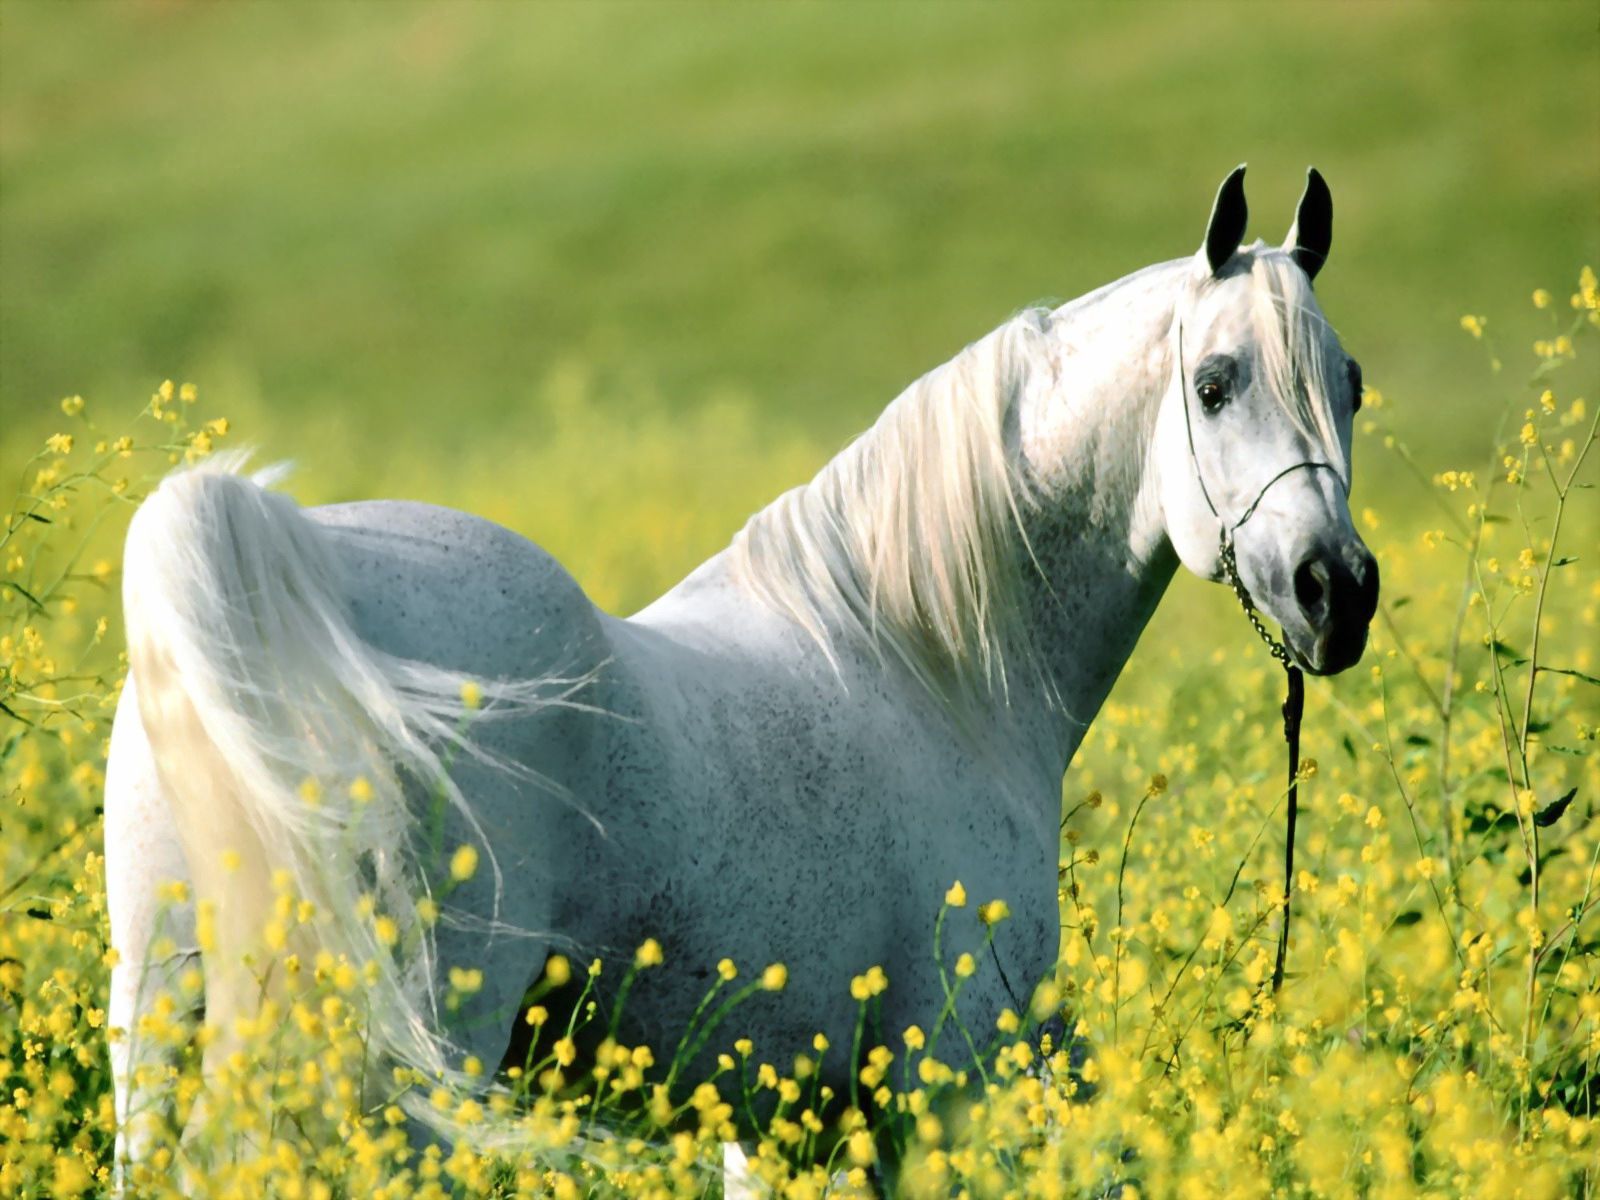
column 396, row 220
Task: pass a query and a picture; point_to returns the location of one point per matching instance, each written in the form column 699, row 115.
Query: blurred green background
column 615, row 274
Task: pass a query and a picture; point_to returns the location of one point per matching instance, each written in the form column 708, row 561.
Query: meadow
column 442, row 255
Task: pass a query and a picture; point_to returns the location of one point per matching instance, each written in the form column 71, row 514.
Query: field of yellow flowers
column 1438, row 1032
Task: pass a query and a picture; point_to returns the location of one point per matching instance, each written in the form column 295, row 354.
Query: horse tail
column 287, row 745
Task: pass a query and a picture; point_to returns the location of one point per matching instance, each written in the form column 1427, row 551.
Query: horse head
column 1252, row 441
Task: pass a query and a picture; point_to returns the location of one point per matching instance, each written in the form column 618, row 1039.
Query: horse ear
column 1312, row 232
column 1228, row 216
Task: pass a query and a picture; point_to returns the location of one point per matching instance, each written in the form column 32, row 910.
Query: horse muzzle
column 1336, row 593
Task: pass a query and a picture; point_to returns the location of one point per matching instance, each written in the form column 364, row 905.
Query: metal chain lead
column 1230, row 568
column 1293, row 707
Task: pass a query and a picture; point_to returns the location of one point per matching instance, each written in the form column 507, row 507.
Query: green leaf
column 1506, row 650
column 1551, row 813
column 1484, row 819
column 25, row 594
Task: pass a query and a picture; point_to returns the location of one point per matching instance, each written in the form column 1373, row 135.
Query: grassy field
column 616, row 274
column 401, row 221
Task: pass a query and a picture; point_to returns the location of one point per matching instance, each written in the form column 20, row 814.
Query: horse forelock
column 907, row 542
column 1294, row 339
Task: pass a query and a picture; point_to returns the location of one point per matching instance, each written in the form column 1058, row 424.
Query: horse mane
column 909, row 543
column 906, row 542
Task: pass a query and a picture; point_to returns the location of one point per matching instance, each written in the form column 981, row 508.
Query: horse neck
column 1096, row 531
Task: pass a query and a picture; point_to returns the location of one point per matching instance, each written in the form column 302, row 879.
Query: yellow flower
column 1474, row 325
column 463, row 863
column 956, row 897
column 965, row 966
column 860, row 1148
column 819, row 1043
column 649, row 954
column 558, row 970
column 914, row 1038
column 994, row 912
column 466, row 980
column 59, row 443
column 1541, row 298
column 1529, row 434
column 388, row 933
column 72, row 405
column 174, row 892
column 774, row 978
column 471, row 694
column 726, row 970
column 361, row 790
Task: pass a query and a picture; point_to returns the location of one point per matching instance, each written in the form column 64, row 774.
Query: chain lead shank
column 1293, row 708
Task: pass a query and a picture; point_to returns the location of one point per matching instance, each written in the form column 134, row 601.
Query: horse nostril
column 1311, row 588
column 1366, row 575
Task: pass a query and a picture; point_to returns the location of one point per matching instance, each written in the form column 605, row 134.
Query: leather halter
column 1227, row 531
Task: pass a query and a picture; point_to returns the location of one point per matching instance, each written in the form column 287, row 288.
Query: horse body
column 735, row 781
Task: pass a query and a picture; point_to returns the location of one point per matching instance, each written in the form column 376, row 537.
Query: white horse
column 875, row 690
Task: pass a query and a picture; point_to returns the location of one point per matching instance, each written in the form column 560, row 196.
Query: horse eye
column 1212, row 395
